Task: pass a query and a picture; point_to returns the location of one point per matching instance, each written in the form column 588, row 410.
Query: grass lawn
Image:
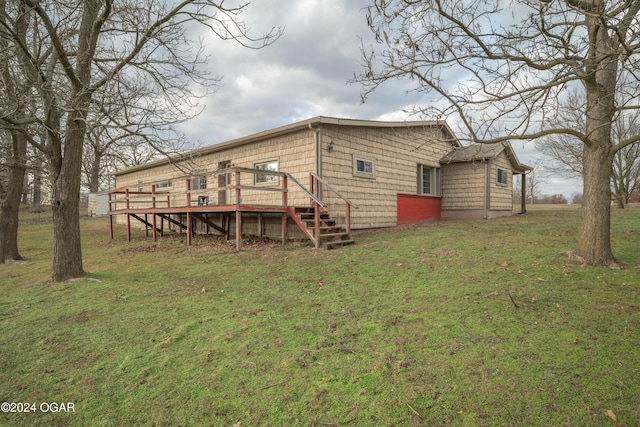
column 467, row 323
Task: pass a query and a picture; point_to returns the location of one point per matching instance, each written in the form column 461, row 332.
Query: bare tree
column 13, row 147
column 625, row 178
column 503, row 70
column 535, row 179
column 82, row 48
column 566, row 151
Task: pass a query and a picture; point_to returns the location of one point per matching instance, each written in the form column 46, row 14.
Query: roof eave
column 308, row 123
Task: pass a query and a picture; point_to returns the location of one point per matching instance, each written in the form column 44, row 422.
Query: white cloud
column 304, row 74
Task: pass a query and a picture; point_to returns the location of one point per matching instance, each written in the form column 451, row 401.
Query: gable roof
column 484, row 152
column 312, row 123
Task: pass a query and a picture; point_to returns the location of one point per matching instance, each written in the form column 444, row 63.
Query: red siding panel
column 413, row 209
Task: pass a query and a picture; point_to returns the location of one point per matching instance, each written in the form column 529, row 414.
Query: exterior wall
column 413, row 209
column 294, row 153
column 463, row 186
column 397, row 153
column 464, row 189
column 501, row 195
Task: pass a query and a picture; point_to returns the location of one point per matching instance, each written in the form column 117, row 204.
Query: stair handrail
column 309, row 193
column 348, row 204
column 326, row 184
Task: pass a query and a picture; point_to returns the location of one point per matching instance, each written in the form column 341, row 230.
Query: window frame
column 363, row 173
column 434, row 180
column 166, row 185
column 505, row 173
column 264, row 179
column 199, row 183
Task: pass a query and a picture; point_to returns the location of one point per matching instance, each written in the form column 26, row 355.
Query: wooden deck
column 153, row 209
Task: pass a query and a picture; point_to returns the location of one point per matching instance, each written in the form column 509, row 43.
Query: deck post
column 284, row 228
column 153, row 204
column 313, row 184
column 348, row 212
column 238, row 212
column 146, row 225
column 128, row 227
column 285, row 184
column 316, row 222
column 285, row 204
column 188, row 192
column 111, row 224
column 155, row 228
column 238, row 229
column 523, row 201
column 189, row 228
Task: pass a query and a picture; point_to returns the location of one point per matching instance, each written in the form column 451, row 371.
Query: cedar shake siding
column 373, row 164
column 396, row 153
column 477, row 181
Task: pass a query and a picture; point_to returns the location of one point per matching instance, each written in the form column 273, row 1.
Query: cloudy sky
column 305, row 74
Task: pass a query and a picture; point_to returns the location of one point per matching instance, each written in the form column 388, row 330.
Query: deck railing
column 161, row 201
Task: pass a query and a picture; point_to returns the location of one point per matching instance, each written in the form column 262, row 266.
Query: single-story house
column 360, row 172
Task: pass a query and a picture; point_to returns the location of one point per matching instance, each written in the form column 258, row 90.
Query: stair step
column 311, row 216
column 325, row 235
column 329, row 234
column 327, row 245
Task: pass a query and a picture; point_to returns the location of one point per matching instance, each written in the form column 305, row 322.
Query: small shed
column 98, row 204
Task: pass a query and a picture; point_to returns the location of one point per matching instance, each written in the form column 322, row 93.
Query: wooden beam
column 284, row 228
column 238, row 230
column 144, row 221
column 128, row 227
column 523, row 201
column 238, row 212
column 189, row 228
column 209, row 223
column 173, row 221
column 155, row 228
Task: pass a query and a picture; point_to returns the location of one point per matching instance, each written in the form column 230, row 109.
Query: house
column 303, row 179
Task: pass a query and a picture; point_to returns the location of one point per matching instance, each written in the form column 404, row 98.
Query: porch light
column 330, row 146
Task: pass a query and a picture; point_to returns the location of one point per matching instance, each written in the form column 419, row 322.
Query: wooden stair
column 330, row 234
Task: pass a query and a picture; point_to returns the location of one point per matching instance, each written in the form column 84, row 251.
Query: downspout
column 487, row 195
column 318, row 159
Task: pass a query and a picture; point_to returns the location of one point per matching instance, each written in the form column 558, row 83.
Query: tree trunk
column 65, row 204
column 38, row 165
column 594, row 243
column 10, row 202
column 36, row 203
column 25, row 189
column 94, row 173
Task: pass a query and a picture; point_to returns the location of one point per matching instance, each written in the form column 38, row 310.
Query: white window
column 199, row 183
column 428, row 180
column 164, row 185
column 270, row 165
column 502, row 176
column 364, row 167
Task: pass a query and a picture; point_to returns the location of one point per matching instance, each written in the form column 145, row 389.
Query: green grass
column 465, row 323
